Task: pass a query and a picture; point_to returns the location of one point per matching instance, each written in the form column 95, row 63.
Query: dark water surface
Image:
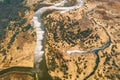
column 43, row 67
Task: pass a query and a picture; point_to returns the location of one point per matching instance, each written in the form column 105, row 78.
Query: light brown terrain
column 91, row 26
column 18, row 41
column 16, row 76
column 86, row 28
column 17, row 38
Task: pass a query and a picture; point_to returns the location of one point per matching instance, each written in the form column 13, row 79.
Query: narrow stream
column 40, row 64
column 95, row 67
column 39, row 56
column 96, row 50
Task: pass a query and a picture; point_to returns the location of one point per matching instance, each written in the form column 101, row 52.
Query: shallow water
column 44, row 73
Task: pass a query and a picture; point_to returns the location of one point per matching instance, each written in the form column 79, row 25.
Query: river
column 39, row 56
column 39, row 60
column 39, row 51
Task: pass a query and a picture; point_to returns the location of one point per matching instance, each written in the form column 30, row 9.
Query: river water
column 39, row 56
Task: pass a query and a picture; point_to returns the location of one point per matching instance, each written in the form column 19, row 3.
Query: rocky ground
column 17, row 37
column 84, row 29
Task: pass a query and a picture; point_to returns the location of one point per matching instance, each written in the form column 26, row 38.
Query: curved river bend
column 39, row 50
column 37, row 23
